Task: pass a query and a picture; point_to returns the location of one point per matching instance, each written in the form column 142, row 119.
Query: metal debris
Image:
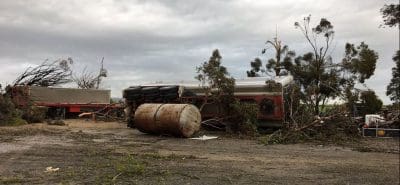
column 204, row 137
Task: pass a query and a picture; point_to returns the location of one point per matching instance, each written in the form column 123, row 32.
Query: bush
column 35, row 114
column 244, row 118
column 238, row 117
column 9, row 115
column 16, row 121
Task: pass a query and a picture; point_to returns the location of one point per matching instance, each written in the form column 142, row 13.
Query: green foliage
column 215, row 76
column 321, row 79
column 273, row 64
column 371, row 104
column 358, row 65
column 9, row 115
column 17, row 121
column 276, row 64
column 35, row 114
column 360, row 61
column 318, row 83
column 391, row 14
column 256, row 67
column 12, row 180
column 338, row 129
column 244, row 117
column 393, row 89
column 129, row 166
column 219, row 87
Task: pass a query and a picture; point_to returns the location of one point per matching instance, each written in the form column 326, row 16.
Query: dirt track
column 110, row 153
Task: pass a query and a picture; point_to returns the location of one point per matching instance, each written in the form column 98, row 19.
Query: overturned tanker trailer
column 267, row 93
column 181, row 120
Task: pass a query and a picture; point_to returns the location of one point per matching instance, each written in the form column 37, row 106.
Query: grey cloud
column 144, row 41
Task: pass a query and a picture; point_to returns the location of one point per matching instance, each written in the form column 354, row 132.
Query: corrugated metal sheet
column 69, row 95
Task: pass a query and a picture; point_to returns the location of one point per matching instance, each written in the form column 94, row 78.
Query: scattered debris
column 111, row 112
column 58, row 122
column 381, row 126
column 204, row 137
column 51, row 169
column 335, row 128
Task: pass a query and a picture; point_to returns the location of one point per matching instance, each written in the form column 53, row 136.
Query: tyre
column 131, row 91
column 150, row 90
column 170, row 96
column 169, row 89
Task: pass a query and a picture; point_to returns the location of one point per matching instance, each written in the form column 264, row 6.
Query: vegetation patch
column 11, row 180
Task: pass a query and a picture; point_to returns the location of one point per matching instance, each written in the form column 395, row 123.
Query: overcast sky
column 146, row 41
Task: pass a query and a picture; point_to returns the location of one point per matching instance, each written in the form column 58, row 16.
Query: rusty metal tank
column 181, row 120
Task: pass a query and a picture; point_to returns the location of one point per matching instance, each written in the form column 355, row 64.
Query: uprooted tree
column 46, row 74
column 219, row 92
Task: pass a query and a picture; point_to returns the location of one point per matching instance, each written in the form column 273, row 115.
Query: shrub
column 244, row 118
column 9, row 115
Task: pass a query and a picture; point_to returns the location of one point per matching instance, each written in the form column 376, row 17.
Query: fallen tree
column 46, row 74
column 337, row 127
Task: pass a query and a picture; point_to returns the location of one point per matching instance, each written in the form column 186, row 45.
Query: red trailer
column 68, row 101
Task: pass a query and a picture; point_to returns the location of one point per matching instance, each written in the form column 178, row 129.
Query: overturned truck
column 267, row 93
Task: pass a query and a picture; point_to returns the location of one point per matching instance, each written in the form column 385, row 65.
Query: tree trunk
column 316, row 106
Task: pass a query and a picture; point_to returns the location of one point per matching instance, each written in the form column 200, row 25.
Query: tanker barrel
column 181, row 120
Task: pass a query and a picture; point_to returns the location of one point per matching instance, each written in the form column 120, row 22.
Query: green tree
column 358, row 65
column 391, row 18
column 281, row 51
column 217, row 83
column 219, row 88
column 391, row 14
column 319, row 77
column 256, row 68
column 360, row 61
column 393, row 89
column 311, row 69
column 371, row 104
column 274, row 65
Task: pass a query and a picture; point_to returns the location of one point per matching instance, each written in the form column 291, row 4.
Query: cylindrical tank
column 175, row 119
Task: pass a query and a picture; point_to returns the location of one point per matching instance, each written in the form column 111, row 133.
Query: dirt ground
column 109, row 153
